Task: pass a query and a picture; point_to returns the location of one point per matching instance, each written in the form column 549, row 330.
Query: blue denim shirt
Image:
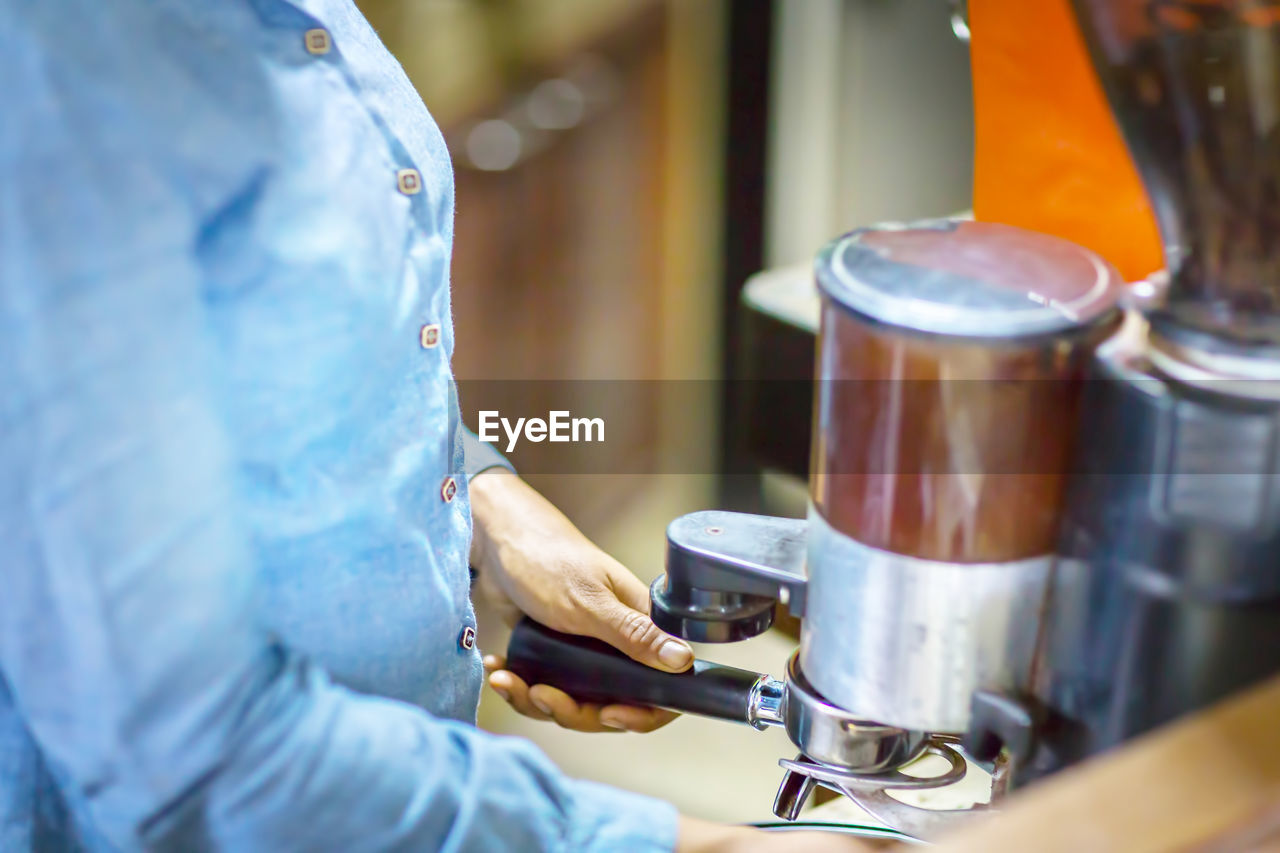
column 233, row 502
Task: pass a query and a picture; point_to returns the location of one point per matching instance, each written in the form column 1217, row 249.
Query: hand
column 531, row 560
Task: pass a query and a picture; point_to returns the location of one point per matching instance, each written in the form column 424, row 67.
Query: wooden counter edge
column 1208, row 782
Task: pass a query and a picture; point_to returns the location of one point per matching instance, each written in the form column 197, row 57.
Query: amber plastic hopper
column 1195, row 85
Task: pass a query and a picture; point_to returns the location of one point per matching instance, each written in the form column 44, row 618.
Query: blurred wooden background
column 587, row 144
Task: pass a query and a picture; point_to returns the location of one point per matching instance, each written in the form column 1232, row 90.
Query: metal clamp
column 870, row 791
column 847, row 780
column 764, row 706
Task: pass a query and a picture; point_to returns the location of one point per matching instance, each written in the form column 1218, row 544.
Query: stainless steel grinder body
column 949, row 362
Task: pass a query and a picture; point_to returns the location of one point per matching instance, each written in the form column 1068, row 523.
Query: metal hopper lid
column 968, row 279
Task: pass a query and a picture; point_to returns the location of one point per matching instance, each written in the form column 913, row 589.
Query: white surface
column 788, row 293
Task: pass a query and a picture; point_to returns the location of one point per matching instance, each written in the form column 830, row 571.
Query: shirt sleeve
column 481, row 456
column 129, row 632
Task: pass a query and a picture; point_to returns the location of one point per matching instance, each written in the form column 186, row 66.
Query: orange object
column 1048, row 154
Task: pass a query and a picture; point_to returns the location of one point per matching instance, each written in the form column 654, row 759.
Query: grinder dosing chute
column 1195, row 87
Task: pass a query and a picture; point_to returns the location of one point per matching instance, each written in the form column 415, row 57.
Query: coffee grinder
column 1036, row 527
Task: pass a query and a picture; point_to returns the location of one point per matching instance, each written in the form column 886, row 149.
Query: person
column 236, row 500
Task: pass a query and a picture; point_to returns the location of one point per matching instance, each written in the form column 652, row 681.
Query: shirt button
column 430, row 335
column 317, row 41
column 409, row 181
column 448, row 489
column 467, row 639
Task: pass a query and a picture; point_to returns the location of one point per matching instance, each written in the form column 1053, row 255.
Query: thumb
column 633, row 633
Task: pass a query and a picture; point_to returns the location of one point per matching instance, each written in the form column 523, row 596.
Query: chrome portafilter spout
column 858, row 758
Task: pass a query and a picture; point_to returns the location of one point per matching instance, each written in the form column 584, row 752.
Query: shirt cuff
column 480, row 456
column 609, row 819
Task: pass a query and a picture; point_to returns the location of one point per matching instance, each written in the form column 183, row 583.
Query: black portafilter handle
column 594, row 672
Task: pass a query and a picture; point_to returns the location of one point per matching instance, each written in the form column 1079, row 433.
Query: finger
column 633, row 633
column 630, row 589
column 633, row 718
column 565, row 711
column 493, row 663
column 510, row 687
